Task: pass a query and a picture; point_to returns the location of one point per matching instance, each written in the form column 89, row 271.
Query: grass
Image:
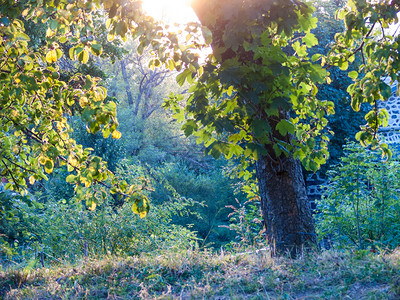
column 209, row 275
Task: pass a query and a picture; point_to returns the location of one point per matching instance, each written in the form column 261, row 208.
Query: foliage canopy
column 273, row 112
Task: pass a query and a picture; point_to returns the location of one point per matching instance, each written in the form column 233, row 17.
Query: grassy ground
column 206, row 275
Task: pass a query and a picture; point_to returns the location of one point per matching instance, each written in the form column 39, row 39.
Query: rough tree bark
column 284, row 202
column 285, row 205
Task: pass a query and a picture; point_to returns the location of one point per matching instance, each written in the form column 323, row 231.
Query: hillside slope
column 203, row 274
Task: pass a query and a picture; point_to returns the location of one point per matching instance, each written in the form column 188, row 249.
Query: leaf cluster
column 37, row 104
column 368, row 33
column 257, row 94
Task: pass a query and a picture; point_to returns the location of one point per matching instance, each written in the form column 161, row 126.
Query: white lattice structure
column 392, row 105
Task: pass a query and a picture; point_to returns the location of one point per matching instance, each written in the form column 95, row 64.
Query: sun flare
column 170, row 11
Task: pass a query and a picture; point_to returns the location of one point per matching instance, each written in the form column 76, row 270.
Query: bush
column 360, row 206
column 69, row 231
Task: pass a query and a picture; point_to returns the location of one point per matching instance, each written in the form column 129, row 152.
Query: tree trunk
column 127, row 85
column 285, row 206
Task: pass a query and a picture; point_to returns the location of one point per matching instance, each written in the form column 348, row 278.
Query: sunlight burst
column 170, row 11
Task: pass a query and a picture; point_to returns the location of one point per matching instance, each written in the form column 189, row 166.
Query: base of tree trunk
column 285, row 206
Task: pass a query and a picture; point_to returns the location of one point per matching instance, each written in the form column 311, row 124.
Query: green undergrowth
column 205, row 274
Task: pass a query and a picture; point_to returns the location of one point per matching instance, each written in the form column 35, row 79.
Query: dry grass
column 207, row 275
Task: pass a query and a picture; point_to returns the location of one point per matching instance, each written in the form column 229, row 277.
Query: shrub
column 360, row 206
column 60, row 231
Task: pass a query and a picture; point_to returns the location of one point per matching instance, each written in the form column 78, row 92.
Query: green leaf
column 234, row 150
column 189, row 127
column 207, row 35
column 356, row 102
column 343, row 65
column 53, row 24
column 180, row 79
column 20, row 36
column 310, row 40
column 301, row 50
column 96, row 49
column 386, row 90
column 59, row 53
column 285, row 126
column 260, row 127
column 106, row 133
column 311, row 143
column 353, row 74
column 316, row 57
column 140, row 205
column 71, row 179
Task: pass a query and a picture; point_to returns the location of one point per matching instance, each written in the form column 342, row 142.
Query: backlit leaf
column 51, row 56
column 116, row 134
column 83, row 56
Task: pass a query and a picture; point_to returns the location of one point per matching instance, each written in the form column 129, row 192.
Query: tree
column 264, row 87
column 263, row 106
column 37, row 103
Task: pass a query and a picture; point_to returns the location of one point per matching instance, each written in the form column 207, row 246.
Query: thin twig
column 11, row 174
column 21, row 167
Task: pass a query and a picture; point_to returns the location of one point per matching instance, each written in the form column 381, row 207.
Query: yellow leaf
column 83, row 101
column 85, row 58
column 31, row 180
column 130, row 191
column 42, row 160
column 51, row 56
column 73, row 161
column 92, row 206
column 143, row 214
column 48, row 166
column 49, row 32
column 116, row 134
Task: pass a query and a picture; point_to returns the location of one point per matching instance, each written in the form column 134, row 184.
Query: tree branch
column 11, row 174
